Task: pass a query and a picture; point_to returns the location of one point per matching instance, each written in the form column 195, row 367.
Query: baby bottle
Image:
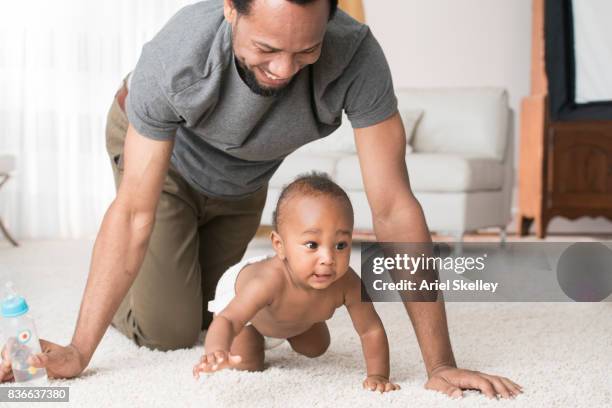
column 21, row 338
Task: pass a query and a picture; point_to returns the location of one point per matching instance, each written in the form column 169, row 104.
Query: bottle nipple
column 9, row 290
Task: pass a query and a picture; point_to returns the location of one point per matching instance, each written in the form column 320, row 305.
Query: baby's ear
column 277, row 245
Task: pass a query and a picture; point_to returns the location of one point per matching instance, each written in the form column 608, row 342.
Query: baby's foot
column 218, row 360
column 379, row 383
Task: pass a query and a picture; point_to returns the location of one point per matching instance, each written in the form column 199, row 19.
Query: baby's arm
column 227, row 324
column 372, row 334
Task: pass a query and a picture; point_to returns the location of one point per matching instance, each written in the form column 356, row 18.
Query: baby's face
column 317, row 238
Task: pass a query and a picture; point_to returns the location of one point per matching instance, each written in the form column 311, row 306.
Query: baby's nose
column 327, row 257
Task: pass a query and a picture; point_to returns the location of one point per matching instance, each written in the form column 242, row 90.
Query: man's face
column 276, row 40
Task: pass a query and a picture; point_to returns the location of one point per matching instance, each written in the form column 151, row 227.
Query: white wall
column 463, row 43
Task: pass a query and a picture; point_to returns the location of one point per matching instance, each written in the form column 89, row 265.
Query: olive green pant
column 194, row 240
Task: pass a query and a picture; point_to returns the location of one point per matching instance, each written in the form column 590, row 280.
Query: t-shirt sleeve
column 370, row 97
column 148, row 106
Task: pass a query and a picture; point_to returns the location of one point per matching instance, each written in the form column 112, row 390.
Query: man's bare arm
column 398, row 217
column 123, row 238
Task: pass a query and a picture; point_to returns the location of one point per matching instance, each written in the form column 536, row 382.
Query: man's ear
column 229, row 11
column 277, row 245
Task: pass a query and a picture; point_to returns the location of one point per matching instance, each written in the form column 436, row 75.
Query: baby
column 263, row 301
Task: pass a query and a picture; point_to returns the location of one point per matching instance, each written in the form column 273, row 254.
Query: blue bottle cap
column 14, row 306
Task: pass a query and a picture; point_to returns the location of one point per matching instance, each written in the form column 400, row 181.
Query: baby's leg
column 249, row 345
column 313, row 342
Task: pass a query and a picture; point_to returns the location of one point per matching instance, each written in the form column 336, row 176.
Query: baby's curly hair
column 310, row 184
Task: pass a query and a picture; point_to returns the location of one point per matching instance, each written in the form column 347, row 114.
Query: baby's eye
column 311, row 245
column 341, row 245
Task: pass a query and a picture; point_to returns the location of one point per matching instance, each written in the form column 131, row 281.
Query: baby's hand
column 218, row 360
column 379, row 383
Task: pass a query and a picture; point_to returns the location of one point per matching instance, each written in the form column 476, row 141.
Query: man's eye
column 341, row 245
column 311, row 245
column 266, row 51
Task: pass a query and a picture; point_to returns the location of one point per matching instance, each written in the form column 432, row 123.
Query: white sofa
column 460, row 159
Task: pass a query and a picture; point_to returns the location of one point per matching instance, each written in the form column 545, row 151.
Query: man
column 218, row 99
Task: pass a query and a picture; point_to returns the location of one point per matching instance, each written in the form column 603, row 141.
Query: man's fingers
column 5, row 371
column 443, row 386
column 455, row 392
column 515, row 385
column 514, row 389
column 42, row 360
column 503, row 386
column 484, row 386
column 473, row 381
column 35, row 360
column 455, row 380
column 500, row 387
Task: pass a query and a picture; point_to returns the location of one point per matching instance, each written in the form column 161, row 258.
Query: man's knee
column 169, row 332
column 170, row 335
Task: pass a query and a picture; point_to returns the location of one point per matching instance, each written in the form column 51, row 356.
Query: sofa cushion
column 470, row 121
column 434, row 173
column 342, row 140
column 298, row 163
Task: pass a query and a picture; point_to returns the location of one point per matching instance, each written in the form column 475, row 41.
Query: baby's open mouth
column 322, row 275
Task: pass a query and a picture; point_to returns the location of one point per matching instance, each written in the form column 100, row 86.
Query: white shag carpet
column 560, row 352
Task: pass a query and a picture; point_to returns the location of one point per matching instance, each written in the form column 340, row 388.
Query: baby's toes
column 220, row 357
column 197, row 370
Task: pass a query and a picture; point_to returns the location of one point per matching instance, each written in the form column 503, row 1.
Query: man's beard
column 249, row 78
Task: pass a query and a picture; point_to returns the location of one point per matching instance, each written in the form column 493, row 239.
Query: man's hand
column 218, row 360
column 451, row 381
column 379, row 383
column 59, row 361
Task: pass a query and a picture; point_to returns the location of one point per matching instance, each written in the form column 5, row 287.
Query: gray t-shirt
column 229, row 141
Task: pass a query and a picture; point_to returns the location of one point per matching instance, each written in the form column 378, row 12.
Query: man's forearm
column 117, row 256
column 406, row 223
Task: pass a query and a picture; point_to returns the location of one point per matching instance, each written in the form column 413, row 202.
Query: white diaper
column 226, row 291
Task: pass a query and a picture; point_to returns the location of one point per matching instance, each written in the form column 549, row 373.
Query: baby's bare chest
column 292, row 315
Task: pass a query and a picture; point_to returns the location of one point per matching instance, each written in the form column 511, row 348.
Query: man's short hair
column 244, row 6
column 310, row 184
